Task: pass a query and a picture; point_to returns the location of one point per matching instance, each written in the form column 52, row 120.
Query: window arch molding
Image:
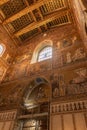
column 2, row 49
column 45, row 53
column 38, row 48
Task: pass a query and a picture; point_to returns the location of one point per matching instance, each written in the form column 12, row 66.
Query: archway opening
column 36, row 105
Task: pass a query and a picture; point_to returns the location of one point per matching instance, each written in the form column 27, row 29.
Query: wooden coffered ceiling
column 24, row 19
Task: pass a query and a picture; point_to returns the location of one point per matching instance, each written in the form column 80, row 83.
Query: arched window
column 2, row 49
column 42, row 51
column 45, row 53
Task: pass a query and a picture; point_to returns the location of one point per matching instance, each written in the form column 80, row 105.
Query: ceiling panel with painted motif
column 25, row 19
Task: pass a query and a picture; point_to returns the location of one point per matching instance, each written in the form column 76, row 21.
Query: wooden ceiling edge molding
column 27, row 40
column 14, row 42
column 2, row 14
column 5, row 64
column 3, row 2
column 38, row 24
column 24, row 11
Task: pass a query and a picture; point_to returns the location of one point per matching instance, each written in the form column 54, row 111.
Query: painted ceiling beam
column 24, row 11
column 3, row 2
column 38, row 24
